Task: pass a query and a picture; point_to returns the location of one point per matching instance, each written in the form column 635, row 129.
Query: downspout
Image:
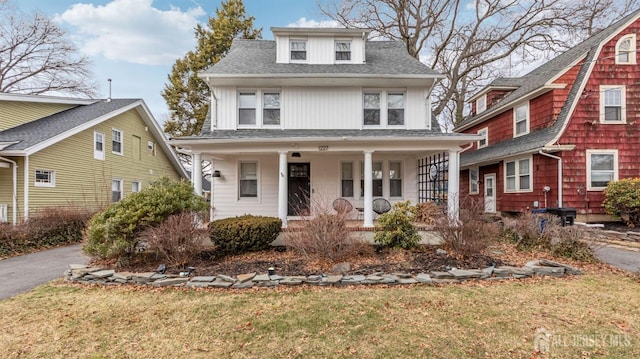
column 559, row 175
column 14, row 217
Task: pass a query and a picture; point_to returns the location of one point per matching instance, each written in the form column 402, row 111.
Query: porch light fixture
column 216, row 173
column 296, row 154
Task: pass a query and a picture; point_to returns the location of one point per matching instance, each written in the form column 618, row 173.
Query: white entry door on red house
column 490, row 193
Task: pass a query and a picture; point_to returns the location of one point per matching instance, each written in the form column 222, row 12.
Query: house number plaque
column 323, row 148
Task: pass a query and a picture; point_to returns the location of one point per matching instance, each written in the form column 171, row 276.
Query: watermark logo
column 544, row 340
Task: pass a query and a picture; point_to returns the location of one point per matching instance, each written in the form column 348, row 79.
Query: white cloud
column 304, row 22
column 133, row 31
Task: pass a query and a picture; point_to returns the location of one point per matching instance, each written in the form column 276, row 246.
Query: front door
column 299, row 189
column 490, row 193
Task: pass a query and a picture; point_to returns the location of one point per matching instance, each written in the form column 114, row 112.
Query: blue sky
column 135, row 42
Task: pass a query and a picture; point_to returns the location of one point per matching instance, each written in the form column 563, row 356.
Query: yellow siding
column 6, row 188
column 81, row 180
column 14, row 113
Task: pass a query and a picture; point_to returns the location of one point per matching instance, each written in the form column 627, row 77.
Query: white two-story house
column 319, row 114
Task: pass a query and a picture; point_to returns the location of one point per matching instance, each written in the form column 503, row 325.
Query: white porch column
column 196, row 172
column 368, row 189
column 211, row 188
column 282, row 188
column 453, row 192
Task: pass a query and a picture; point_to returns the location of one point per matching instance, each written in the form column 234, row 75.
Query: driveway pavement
column 620, row 257
column 22, row 273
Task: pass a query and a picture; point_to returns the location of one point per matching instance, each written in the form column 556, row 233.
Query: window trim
column 623, row 104
column 246, row 198
column 483, row 132
column 279, row 108
column 590, row 152
column 335, row 52
column 477, row 184
column 631, row 51
column 389, row 179
column 113, row 131
column 306, row 51
column 121, row 188
column 404, row 107
column 51, row 174
column 98, row 154
column 527, row 119
column 482, row 98
column 259, row 107
column 139, row 186
column 517, row 175
column 383, row 107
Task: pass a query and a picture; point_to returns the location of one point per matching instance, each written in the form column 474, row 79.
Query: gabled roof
column 543, row 139
column 248, row 58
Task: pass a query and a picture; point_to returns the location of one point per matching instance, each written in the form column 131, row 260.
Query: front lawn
column 589, row 316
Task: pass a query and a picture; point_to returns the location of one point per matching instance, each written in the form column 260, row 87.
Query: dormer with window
column 626, row 50
column 320, row 46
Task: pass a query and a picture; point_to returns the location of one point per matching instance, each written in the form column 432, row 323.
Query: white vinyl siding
column 613, row 104
column 45, row 178
column 602, row 167
column 518, row 175
column 521, row 120
column 98, row 145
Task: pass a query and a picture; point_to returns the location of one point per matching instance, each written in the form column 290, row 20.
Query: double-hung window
column 626, row 50
column 518, row 175
column 376, row 172
column 383, row 108
column 45, row 178
column 395, row 179
column 343, row 50
column 612, row 104
column 346, row 177
column 116, row 190
column 298, row 50
column 248, row 180
column 98, row 145
column 473, row 180
column 372, row 109
column 521, row 120
column 247, row 108
column 484, row 141
column 602, row 168
column 116, row 141
column 481, row 104
column 395, row 109
column 271, row 108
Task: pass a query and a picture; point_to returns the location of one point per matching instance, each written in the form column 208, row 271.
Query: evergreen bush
column 622, row 198
column 394, row 228
column 244, row 234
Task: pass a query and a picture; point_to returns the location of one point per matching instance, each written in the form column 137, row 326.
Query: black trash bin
column 567, row 215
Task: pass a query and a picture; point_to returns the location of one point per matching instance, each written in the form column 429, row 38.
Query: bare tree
column 472, row 42
column 36, row 58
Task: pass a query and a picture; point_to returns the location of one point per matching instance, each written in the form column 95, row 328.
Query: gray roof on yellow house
column 533, row 81
column 255, row 57
column 33, row 133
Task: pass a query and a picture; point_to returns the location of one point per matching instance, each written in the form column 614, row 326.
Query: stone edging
column 97, row 275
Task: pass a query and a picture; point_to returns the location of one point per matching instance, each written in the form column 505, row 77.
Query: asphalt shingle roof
column 35, row 132
column 255, row 57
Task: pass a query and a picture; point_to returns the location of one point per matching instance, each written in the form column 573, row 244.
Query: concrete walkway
column 23, row 273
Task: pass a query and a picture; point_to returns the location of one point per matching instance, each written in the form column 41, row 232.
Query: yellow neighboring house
column 57, row 151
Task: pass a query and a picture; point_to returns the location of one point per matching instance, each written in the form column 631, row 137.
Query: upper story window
column 271, row 108
column 612, row 104
column 250, row 100
column 298, row 50
column 372, row 109
column 98, row 145
column 484, row 141
column 45, row 178
column 602, row 167
column 626, row 50
column 247, row 108
column 395, row 109
column 481, row 104
column 518, row 175
column 383, row 108
column 521, row 120
column 343, row 50
column 116, row 141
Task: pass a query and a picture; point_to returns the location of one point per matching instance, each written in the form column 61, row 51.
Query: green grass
column 496, row 320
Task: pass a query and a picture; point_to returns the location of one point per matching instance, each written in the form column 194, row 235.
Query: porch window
column 116, row 141
column 602, row 167
column 343, row 50
column 346, row 177
column 98, row 145
column 248, row 180
column 395, row 109
column 298, row 50
column 521, row 120
column 271, row 108
column 612, row 104
column 45, row 178
column 116, row 190
column 518, row 175
column 372, row 109
column 473, row 180
column 376, row 168
column 247, row 108
column 626, row 50
column 395, row 179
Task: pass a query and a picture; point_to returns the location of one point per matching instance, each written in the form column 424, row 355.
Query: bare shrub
column 428, row 213
column 324, row 235
column 471, row 234
column 176, row 240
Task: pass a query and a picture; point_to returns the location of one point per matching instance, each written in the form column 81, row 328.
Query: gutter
column 559, row 174
column 14, row 203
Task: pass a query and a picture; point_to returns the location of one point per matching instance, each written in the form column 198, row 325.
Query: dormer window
column 626, row 50
column 343, row 50
column 481, row 104
column 298, row 50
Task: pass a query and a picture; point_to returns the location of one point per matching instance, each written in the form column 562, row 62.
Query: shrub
column 428, row 212
column 177, row 240
column 394, row 228
column 325, row 236
column 622, row 198
column 471, row 234
column 244, row 234
column 112, row 233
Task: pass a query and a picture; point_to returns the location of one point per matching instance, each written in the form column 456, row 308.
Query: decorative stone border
column 98, row 275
